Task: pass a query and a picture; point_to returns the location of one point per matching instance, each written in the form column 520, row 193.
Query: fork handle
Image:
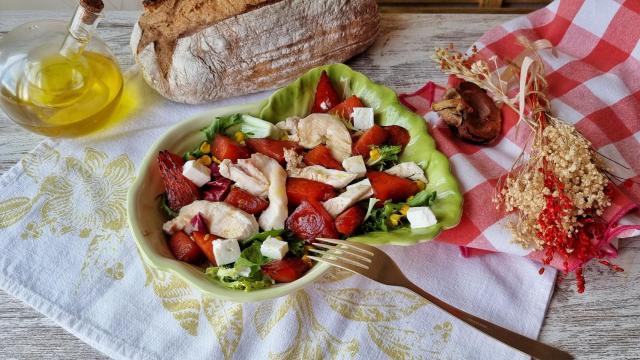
column 527, row 345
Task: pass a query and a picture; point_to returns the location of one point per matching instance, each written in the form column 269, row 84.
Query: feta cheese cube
column 355, row 165
column 196, row 172
column 274, row 248
column 362, row 118
column 421, row 217
column 226, row 251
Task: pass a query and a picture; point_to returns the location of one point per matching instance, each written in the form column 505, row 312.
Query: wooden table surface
column 602, row 323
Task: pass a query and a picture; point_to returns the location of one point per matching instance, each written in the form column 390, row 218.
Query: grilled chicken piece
column 223, row 219
column 336, row 178
column 246, row 176
column 275, row 215
column 408, row 170
column 317, row 129
column 356, row 192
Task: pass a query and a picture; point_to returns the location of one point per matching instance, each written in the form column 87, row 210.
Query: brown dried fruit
column 471, row 112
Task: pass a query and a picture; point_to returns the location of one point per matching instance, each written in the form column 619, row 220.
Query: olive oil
column 59, row 79
column 58, row 96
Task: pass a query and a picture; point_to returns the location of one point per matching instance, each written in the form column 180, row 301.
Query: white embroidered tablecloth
column 68, row 253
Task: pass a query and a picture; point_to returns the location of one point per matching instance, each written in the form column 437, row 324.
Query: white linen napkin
column 68, row 253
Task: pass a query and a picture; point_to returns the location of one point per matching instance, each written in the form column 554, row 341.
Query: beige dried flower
column 556, row 146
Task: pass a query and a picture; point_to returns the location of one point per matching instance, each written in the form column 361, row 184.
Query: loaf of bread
column 195, row 51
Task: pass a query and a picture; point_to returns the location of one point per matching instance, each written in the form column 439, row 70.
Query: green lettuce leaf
column 220, row 125
column 254, row 127
column 243, row 263
column 378, row 219
column 229, row 277
column 253, row 254
column 388, row 156
column 423, row 198
column 251, row 258
column 263, row 236
column 164, row 205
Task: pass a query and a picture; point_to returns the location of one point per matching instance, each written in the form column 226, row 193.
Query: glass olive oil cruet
column 58, row 79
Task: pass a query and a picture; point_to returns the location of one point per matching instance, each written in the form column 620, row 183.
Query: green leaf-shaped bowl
column 295, row 100
column 145, row 217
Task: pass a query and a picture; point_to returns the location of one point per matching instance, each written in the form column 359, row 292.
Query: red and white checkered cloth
column 594, row 83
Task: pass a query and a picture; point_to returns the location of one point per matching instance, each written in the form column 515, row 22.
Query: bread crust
column 265, row 45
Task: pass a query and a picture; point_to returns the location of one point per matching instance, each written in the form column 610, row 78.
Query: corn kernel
column 394, row 219
column 215, row 159
column 205, row 147
column 374, row 154
column 404, row 209
column 421, row 185
column 239, row 136
column 308, row 261
column 205, row 160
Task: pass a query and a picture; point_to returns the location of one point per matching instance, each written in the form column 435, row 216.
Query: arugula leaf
column 296, row 247
column 250, row 126
column 263, row 236
column 253, row 254
column 164, row 205
column 423, row 198
column 388, row 156
column 195, row 153
column 379, row 218
column 218, row 125
column 221, row 124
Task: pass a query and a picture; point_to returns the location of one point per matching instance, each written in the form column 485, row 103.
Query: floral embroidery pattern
column 88, row 195
column 376, row 308
column 12, row 210
column 83, row 197
column 311, row 340
column 400, row 343
column 186, row 306
column 379, row 308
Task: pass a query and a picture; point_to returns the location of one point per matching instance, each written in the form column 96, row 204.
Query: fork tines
column 343, row 254
column 349, row 244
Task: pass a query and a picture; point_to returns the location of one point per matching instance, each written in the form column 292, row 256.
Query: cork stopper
column 95, row 6
column 93, row 9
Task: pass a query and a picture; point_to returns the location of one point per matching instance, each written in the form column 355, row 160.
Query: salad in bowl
column 330, row 156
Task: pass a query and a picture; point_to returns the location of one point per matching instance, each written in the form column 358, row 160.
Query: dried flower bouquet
column 558, row 186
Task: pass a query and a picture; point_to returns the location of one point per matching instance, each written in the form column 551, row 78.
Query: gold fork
column 376, row 265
